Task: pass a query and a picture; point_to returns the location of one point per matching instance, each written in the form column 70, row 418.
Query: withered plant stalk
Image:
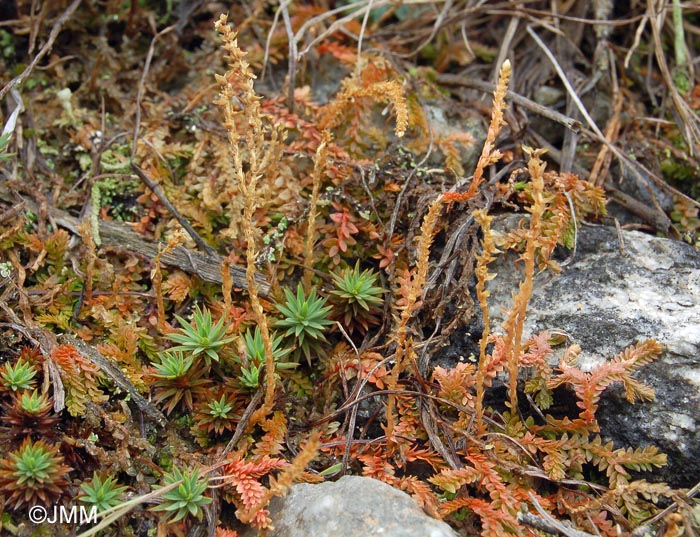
column 404, row 345
column 157, row 277
column 90, row 240
column 319, row 167
column 487, row 255
column 489, row 155
column 237, row 86
column 515, row 322
column 227, row 284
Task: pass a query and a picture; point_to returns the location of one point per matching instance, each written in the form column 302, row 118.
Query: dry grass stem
column 319, row 165
column 259, row 161
column 404, row 345
column 516, row 317
column 490, row 155
column 157, row 277
column 486, row 257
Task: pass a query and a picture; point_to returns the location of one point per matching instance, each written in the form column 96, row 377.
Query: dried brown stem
column 319, row 166
column 404, row 344
column 487, row 255
column 260, row 160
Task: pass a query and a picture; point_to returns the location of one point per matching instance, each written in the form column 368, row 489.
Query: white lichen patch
column 589, row 362
column 692, row 375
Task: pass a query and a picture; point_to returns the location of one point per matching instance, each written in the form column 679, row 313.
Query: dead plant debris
column 231, row 246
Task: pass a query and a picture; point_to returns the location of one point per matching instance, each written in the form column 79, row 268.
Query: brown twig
column 11, row 212
column 46, row 342
column 243, row 424
column 660, row 516
column 147, row 181
column 351, row 420
column 602, row 161
column 487, row 87
column 411, row 393
column 428, row 411
column 142, row 84
column 636, row 168
column 651, row 215
column 158, row 191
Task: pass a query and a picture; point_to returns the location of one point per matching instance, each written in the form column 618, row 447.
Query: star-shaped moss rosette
column 305, row 320
column 357, row 298
column 34, row 473
column 201, row 336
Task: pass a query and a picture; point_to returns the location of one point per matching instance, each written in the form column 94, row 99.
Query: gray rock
column 445, row 124
column 353, row 506
column 609, row 298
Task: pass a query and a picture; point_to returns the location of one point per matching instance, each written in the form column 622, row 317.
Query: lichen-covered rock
column 466, row 134
column 351, row 507
column 610, row 296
